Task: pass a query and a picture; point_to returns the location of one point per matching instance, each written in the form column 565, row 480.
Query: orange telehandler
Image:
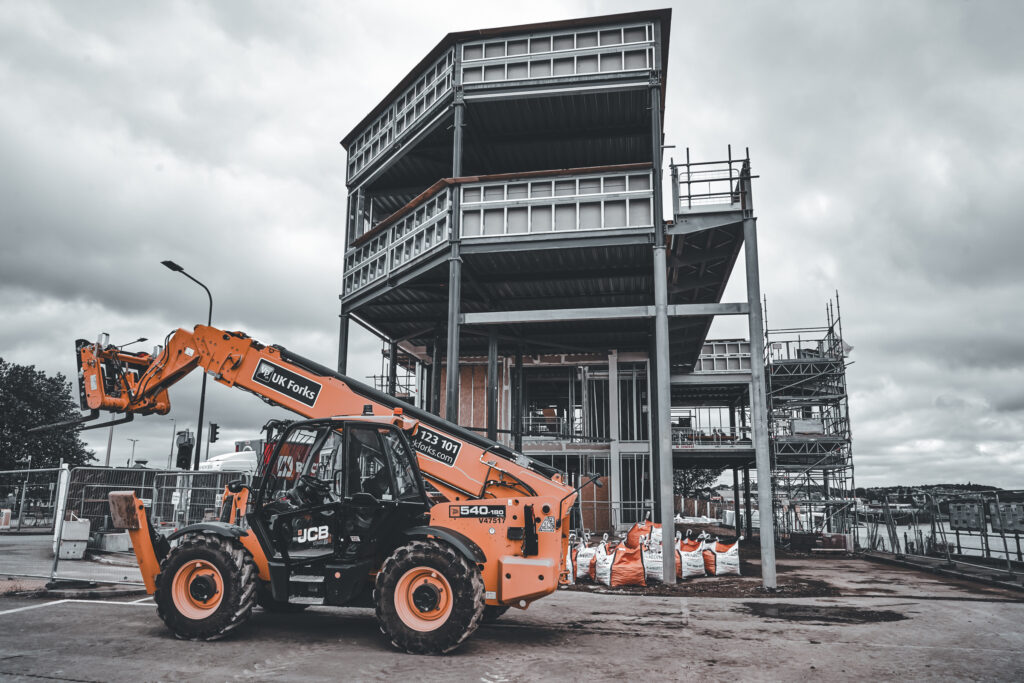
column 366, row 502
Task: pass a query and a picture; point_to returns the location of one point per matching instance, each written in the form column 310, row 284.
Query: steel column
column 654, row 422
column 518, row 409
column 492, row 387
column 343, row 323
column 614, row 448
column 435, row 376
column 747, row 518
column 455, row 268
column 736, row 498
column 393, row 367
column 758, row 407
column 661, row 343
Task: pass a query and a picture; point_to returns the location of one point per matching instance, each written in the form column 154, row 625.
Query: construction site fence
column 983, row 528
column 28, row 499
column 86, row 546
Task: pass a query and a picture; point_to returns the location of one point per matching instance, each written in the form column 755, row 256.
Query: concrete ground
column 884, row 622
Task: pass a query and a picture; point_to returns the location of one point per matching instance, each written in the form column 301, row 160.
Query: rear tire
column 206, row 587
column 429, row 598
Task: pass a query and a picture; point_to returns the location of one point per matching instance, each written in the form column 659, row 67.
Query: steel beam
column 739, row 377
column 600, row 313
column 686, row 310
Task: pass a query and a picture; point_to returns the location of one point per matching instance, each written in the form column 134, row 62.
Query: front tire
column 429, row 598
column 206, row 587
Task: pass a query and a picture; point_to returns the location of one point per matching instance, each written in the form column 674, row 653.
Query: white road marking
column 22, row 609
column 137, row 603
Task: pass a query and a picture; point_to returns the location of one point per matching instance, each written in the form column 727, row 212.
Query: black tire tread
column 465, row 580
column 493, row 612
column 240, row 583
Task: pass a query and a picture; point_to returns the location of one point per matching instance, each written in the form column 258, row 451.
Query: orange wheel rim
column 423, row 599
column 197, row 589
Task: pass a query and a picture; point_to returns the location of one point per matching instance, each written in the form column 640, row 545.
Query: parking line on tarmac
column 22, row 609
column 137, row 603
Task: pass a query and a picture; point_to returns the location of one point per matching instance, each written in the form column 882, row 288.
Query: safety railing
column 405, row 238
column 569, row 203
column 27, row 499
column 697, row 185
column 539, row 204
column 605, row 50
column 983, row 529
column 408, row 109
column 712, row 437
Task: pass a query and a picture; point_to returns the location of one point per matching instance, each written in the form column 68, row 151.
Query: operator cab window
column 368, row 470
column 405, row 476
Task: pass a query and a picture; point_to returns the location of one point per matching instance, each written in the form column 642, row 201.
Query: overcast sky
column 887, row 137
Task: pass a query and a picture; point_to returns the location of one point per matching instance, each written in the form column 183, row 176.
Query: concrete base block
column 75, row 530
column 72, row 550
column 114, row 543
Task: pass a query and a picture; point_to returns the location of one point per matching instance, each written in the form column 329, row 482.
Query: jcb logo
column 313, row 533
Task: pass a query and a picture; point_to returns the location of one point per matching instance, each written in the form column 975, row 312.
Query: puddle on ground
column 829, row 614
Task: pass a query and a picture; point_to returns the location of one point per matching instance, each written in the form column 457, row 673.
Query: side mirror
column 338, row 483
column 364, row 499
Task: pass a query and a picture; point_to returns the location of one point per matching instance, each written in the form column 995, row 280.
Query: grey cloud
column 887, row 138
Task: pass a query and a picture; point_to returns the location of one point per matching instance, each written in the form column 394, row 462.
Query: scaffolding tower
column 809, row 425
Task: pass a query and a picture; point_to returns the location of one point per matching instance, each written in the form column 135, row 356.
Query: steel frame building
column 505, row 218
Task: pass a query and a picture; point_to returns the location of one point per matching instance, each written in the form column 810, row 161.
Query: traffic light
column 185, row 441
column 214, row 428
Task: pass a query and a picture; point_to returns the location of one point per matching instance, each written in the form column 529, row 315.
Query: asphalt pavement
column 885, row 623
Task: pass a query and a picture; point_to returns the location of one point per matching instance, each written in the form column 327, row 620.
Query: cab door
column 381, row 492
column 301, row 512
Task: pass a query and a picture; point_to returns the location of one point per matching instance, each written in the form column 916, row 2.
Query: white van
column 240, row 461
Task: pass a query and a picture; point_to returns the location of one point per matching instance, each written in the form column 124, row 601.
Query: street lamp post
column 130, row 459
column 171, row 265
column 170, row 455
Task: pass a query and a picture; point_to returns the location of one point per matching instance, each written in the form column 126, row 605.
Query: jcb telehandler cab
column 340, row 513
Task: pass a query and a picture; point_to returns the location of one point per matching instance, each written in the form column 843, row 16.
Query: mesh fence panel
column 31, row 496
column 173, row 499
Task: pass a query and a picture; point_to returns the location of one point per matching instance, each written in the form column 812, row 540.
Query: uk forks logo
column 283, row 381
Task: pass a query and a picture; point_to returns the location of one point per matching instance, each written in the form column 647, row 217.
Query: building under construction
column 505, row 227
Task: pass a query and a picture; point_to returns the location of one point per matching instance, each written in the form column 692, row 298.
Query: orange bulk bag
column 627, row 567
column 644, row 528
